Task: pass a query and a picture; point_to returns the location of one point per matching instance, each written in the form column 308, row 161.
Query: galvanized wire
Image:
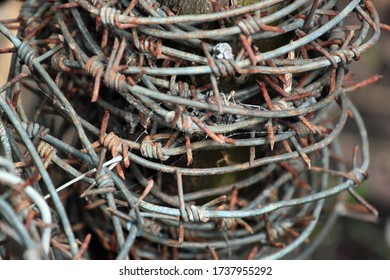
column 219, row 145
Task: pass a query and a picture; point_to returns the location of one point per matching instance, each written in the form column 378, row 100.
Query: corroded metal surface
column 210, row 135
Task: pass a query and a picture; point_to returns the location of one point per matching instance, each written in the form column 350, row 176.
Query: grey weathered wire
column 149, row 86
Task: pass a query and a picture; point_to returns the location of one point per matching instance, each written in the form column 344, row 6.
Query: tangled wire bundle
column 179, row 136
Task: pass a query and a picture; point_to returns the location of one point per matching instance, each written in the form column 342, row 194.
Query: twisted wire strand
column 164, row 80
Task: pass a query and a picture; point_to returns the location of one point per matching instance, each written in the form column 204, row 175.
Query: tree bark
column 186, row 7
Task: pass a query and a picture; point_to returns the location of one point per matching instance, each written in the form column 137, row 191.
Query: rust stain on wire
column 187, row 108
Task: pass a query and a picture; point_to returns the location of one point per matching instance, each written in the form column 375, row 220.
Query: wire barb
column 205, row 106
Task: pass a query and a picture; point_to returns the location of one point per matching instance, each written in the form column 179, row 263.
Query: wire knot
column 26, row 53
column 185, row 123
column 224, row 67
column 356, row 52
column 358, row 175
column 104, row 180
column 182, row 89
column 114, row 143
column 57, row 62
column 94, row 66
column 152, row 149
column 116, row 82
column 253, row 24
column 109, row 16
column 194, row 214
column 35, row 130
column 151, row 45
column 46, row 151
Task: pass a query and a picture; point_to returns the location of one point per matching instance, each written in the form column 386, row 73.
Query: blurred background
column 349, row 239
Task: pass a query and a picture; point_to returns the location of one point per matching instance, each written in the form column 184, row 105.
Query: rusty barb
column 211, row 135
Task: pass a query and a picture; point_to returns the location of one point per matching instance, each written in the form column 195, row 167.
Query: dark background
column 352, row 239
column 349, row 239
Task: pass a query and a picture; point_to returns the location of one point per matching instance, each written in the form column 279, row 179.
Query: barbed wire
column 222, row 134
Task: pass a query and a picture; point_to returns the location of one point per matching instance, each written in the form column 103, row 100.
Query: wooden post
column 186, row 7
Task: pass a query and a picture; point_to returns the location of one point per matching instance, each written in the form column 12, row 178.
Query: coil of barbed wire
column 181, row 136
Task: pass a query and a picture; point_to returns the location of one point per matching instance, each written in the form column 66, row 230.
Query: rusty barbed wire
column 209, row 136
